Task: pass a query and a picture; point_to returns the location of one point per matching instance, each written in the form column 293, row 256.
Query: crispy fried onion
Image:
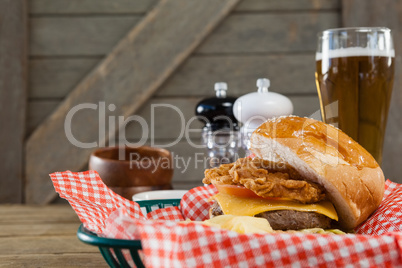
column 266, row 179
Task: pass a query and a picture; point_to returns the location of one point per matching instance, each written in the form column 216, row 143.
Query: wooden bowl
column 129, row 170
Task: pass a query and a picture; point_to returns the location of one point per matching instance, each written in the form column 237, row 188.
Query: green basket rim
column 91, row 238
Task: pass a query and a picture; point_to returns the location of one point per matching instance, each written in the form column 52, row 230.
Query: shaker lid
column 220, row 88
column 263, row 85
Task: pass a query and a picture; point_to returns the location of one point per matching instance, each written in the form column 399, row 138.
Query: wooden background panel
column 289, row 74
column 57, row 70
column 56, row 77
column 37, row 111
column 240, row 33
column 129, row 6
column 183, row 24
column 167, row 118
column 272, row 5
column 78, row 35
column 40, row 7
column 189, row 164
column 138, row 6
column 239, row 71
column 270, row 32
column 13, row 92
column 306, row 105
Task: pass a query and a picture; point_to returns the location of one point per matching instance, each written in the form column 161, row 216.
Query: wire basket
column 116, row 252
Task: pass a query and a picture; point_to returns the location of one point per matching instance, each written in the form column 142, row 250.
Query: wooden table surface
column 43, row 236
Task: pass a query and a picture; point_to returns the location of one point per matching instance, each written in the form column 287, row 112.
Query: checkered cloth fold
column 167, row 243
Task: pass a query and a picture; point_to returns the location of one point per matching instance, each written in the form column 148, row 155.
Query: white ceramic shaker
column 255, row 108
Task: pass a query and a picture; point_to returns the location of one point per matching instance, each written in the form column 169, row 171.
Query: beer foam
column 355, row 52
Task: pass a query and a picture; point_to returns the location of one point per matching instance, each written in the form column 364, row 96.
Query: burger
column 303, row 174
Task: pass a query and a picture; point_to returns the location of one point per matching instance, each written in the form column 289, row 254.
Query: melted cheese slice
column 244, row 206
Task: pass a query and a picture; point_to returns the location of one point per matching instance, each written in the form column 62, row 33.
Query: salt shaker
column 255, row 108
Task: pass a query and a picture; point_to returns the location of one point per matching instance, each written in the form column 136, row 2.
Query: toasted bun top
column 323, row 154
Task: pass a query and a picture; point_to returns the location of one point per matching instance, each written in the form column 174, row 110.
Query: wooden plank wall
column 13, row 92
column 274, row 39
column 128, row 76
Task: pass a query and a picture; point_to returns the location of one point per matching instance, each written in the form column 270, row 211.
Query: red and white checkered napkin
column 91, row 199
column 388, row 216
column 167, row 243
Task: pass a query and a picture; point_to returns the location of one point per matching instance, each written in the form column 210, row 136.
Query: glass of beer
column 354, row 77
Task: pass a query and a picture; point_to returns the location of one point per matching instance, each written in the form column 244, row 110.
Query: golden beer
column 354, row 87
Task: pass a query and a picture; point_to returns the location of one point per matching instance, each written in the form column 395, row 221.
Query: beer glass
column 354, row 77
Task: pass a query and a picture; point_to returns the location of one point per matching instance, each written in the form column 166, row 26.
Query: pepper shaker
column 220, row 133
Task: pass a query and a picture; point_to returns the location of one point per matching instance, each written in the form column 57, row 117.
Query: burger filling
column 266, row 179
column 258, row 178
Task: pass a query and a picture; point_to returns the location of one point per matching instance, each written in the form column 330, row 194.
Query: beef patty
column 287, row 219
